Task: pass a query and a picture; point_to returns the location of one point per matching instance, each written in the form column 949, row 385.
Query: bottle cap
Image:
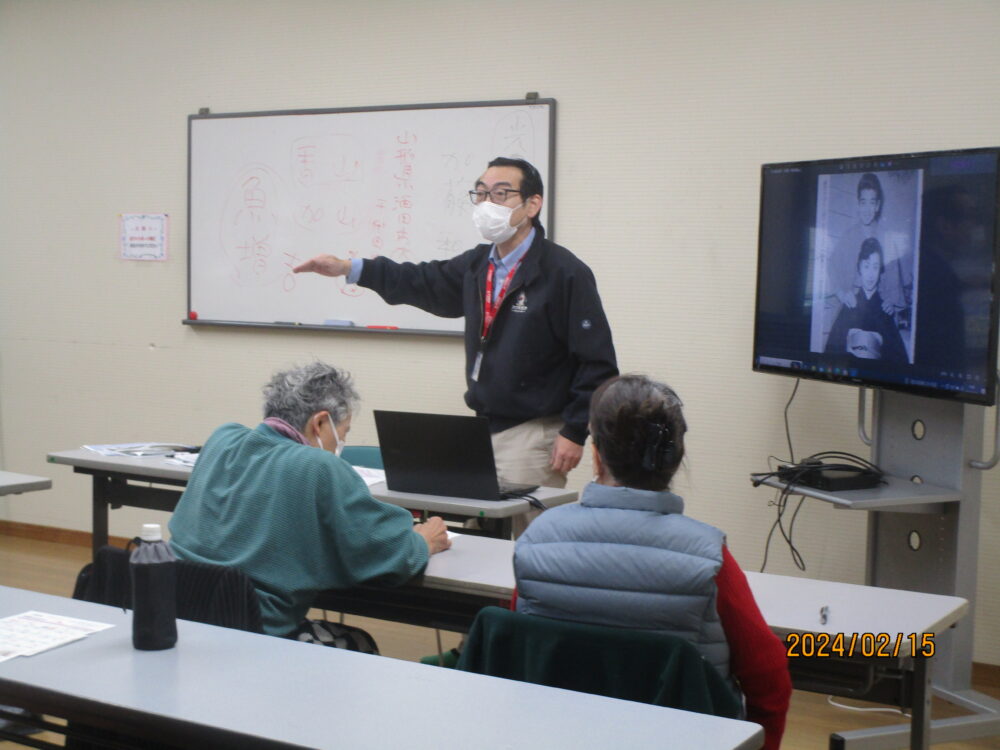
column 151, row 532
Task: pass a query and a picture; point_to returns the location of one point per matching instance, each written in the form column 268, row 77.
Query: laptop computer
column 441, row 454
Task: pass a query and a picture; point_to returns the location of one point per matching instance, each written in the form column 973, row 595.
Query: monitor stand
column 933, row 546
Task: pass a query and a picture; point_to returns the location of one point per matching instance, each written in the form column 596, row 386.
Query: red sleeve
column 756, row 655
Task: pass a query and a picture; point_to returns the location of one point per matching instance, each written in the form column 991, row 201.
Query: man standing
column 537, row 340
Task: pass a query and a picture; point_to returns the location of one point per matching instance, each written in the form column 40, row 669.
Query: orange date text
column 868, row 645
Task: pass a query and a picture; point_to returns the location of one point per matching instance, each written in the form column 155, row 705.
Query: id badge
column 476, row 365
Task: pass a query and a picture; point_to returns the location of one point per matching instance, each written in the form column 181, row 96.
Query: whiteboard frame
column 204, row 114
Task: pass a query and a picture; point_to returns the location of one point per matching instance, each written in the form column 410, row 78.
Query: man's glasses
column 497, row 194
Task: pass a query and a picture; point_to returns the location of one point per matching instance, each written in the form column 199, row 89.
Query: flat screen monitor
column 880, row 271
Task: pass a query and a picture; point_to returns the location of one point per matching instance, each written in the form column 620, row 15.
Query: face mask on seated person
column 340, row 443
column 493, row 221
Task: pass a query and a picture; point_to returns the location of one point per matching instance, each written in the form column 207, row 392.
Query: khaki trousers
column 522, row 454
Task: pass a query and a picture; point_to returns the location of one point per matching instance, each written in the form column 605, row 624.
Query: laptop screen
column 437, row 454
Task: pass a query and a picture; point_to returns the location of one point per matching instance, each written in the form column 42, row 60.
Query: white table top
column 147, row 467
column 478, row 565
column 151, row 468
column 276, row 690
column 13, row 484
column 792, row 604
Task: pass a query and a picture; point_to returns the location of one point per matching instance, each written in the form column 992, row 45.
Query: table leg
column 99, row 514
column 920, row 720
column 501, row 528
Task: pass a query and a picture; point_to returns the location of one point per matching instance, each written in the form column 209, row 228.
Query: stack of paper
column 182, row 458
column 140, row 449
column 371, row 476
column 30, row 633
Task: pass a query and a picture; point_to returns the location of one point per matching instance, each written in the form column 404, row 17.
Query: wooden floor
column 51, row 568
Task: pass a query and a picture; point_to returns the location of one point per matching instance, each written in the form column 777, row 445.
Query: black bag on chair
column 336, row 635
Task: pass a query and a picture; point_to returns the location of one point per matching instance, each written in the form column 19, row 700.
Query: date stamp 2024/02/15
column 868, row 645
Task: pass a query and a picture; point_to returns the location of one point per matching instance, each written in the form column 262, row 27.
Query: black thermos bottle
column 154, row 591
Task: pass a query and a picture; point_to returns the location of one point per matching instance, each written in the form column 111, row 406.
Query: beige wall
column 666, row 111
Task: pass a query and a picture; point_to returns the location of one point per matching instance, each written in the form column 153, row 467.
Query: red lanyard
column 489, row 307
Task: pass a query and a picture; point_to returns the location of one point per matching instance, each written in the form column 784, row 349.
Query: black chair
column 210, row 594
column 636, row 665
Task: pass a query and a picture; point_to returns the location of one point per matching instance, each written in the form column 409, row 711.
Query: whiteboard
column 269, row 190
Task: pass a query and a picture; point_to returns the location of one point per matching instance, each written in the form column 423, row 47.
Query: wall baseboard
column 986, row 675
column 53, row 534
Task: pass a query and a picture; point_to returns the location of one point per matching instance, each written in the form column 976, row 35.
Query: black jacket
column 550, row 344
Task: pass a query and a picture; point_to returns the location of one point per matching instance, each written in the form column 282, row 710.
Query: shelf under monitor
column 897, row 494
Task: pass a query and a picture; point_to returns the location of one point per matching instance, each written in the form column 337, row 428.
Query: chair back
column 369, row 456
column 636, row 665
column 211, row 594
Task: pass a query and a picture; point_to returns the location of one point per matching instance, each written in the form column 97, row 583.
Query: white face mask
column 493, row 221
column 340, row 443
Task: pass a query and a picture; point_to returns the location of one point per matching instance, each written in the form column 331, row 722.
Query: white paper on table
column 182, row 458
column 139, row 450
column 371, row 476
column 32, row 632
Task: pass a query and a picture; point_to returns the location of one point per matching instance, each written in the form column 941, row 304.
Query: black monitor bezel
column 989, row 397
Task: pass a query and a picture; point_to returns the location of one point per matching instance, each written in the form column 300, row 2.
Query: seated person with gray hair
column 277, row 502
column 627, row 556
